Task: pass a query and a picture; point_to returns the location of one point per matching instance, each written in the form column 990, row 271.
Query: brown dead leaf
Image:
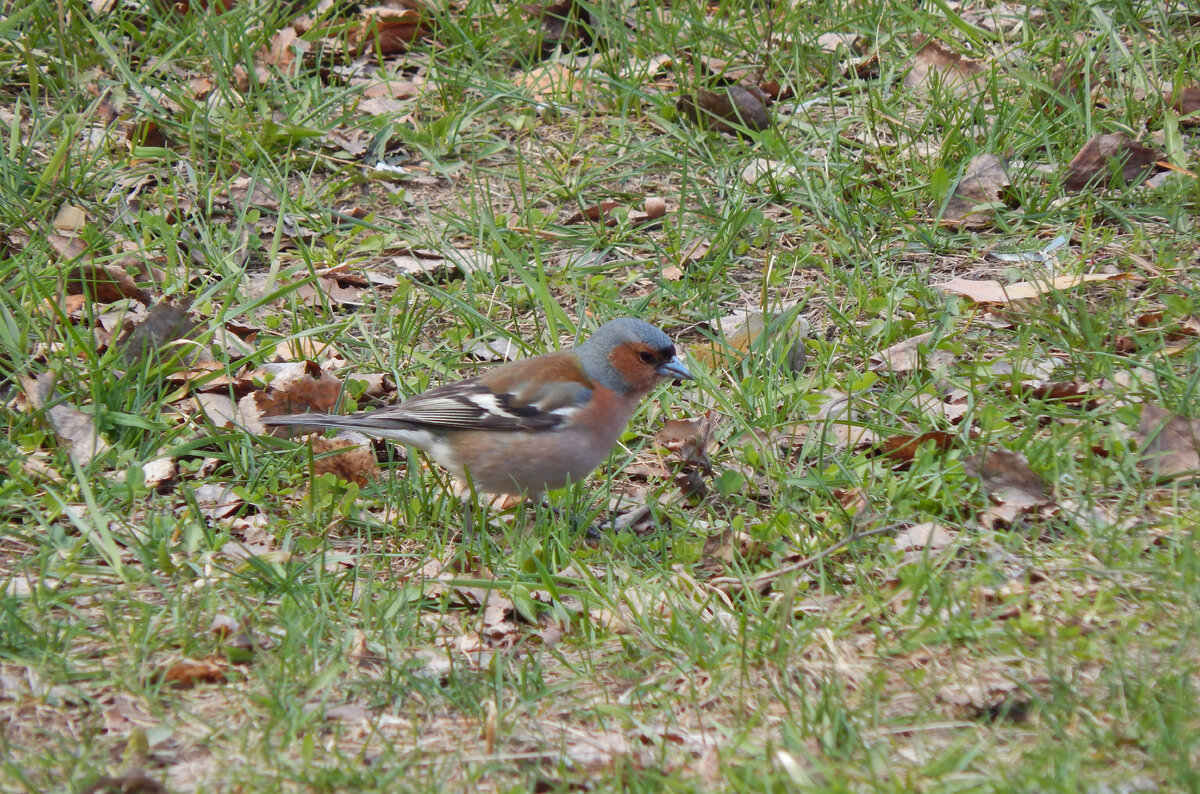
column 295, row 388
column 494, row 350
column 977, row 193
column 315, row 293
column 1007, row 479
column 686, row 440
column 911, row 354
column 186, row 673
column 217, row 501
column 1099, row 156
column 595, row 213
column 555, row 81
column 929, row 535
column 455, row 262
column 388, row 31
column 989, row 291
column 74, row 429
column 934, row 64
column 1186, row 102
column 280, row 53
column 68, row 248
column 1170, row 442
column 218, row 409
column 733, row 110
column 166, row 324
column 104, row 283
column 355, row 464
column 903, row 448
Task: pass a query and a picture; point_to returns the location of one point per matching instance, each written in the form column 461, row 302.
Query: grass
column 354, row 643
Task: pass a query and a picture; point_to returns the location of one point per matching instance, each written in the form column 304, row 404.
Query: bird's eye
column 646, row 357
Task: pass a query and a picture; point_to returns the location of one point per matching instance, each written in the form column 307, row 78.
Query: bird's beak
column 674, row 369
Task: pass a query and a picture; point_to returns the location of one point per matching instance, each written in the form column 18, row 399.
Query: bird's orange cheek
column 639, row 375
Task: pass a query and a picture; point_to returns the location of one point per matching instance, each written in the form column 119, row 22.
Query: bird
column 531, row 425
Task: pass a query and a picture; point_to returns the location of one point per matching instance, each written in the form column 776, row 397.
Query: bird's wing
column 474, row 405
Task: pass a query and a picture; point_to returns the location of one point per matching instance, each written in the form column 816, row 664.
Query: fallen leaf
column 104, row 283
column 133, row 782
column 989, row 291
column 552, row 81
column 733, row 110
column 903, row 448
column 933, row 64
column 217, row 501
column 388, row 31
column 70, row 219
column 980, row 188
column 776, row 170
column 833, row 42
column 454, row 262
column 596, row 213
column 166, row 324
column 1099, row 156
column 356, row 463
column 1007, row 478
column 74, row 429
column 186, row 673
column 1170, row 442
column 929, row 535
column 295, row 387
column 494, row 350
column 158, row 472
column 910, row 354
column 738, row 331
column 1186, row 102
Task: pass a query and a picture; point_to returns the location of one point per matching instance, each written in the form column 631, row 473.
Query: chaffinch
column 530, row 425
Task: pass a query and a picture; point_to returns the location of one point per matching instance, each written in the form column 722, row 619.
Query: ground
column 926, row 519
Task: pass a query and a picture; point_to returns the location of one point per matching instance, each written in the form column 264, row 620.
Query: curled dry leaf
column 494, row 350
column 388, row 31
column 733, row 110
column 104, row 283
column 933, row 64
column 355, row 463
column 1170, row 443
column 1100, row 156
column 186, row 673
column 979, row 190
column 773, row 169
column 552, row 81
column 989, row 291
column 595, row 213
column 903, row 448
column 296, row 387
